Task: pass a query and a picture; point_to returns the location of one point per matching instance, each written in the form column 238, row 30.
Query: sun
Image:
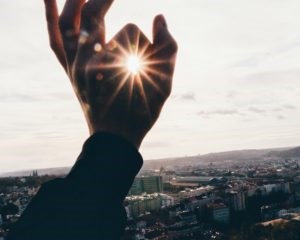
column 134, row 64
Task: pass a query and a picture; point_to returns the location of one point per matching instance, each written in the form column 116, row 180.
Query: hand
column 113, row 99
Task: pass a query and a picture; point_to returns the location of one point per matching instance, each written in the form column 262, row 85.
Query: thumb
column 161, row 35
column 159, row 27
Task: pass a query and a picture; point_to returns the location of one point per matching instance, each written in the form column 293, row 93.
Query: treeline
column 6, row 184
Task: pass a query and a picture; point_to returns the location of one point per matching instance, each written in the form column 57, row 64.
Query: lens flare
column 134, row 64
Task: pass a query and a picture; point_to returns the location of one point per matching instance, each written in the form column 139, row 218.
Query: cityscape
column 237, row 198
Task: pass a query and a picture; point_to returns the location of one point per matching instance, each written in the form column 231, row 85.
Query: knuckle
column 131, row 28
column 53, row 46
column 174, row 46
column 168, row 91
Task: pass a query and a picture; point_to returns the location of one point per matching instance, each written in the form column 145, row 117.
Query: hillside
column 215, row 158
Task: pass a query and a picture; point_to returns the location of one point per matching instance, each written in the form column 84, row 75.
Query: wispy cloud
column 289, row 107
column 256, row 110
column 280, row 117
column 18, row 97
column 232, row 94
column 226, row 112
column 188, row 96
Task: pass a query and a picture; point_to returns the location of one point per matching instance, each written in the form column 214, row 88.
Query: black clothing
column 87, row 203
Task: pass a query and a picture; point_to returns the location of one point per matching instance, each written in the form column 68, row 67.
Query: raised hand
column 121, row 85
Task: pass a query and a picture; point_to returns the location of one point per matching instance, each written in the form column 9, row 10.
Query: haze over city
column 236, row 84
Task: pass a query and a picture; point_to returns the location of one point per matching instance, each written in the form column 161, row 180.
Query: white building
column 188, row 192
column 138, row 205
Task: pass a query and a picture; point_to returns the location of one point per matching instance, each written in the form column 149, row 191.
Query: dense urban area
column 257, row 198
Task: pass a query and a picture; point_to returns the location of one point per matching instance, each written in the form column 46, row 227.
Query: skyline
column 235, row 84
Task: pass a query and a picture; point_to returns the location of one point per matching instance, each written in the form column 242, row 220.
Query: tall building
column 149, row 184
column 35, row 173
column 137, row 187
column 237, row 201
column 152, row 184
column 297, row 188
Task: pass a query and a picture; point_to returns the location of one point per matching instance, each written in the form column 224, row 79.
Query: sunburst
column 134, row 63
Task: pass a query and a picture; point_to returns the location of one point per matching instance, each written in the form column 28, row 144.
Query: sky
column 236, row 84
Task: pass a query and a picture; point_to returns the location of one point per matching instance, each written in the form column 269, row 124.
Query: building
column 218, row 212
column 152, row 184
column 35, row 174
column 139, row 205
column 237, row 201
column 202, row 180
column 297, row 188
column 137, row 187
column 189, row 192
column 187, row 217
column 277, row 187
column 146, row 184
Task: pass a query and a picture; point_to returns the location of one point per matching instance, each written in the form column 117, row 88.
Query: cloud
column 232, row 94
column 247, row 62
column 256, row 110
column 18, row 97
column 280, row 117
column 275, row 76
column 289, row 107
column 272, row 110
column 277, row 109
column 188, row 97
column 226, row 112
column 156, row 144
column 265, row 56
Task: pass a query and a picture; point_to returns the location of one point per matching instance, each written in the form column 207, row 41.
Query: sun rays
column 133, row 66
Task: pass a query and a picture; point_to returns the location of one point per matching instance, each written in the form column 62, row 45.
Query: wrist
column 135, row 141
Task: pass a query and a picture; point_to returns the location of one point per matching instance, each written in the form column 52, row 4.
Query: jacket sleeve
column 87, row 203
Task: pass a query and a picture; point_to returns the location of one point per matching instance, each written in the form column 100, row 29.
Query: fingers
column 70, row 17
column 92, row 18
column 69, row 24
column 163, row 54
column 92, row 30
column 55, row 38
column 162, row 37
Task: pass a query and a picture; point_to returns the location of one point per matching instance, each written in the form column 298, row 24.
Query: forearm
column 108, row 163
column 87, row 204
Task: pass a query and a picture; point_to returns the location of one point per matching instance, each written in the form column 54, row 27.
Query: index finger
column 55, row 38
column 92, row 19
column 69, row 23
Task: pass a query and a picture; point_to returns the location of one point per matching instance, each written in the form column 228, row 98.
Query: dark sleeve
column 87, row 204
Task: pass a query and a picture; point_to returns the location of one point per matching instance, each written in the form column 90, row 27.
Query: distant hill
column 290, row 153
column 47, row 171
column 237, row 156
column 217, row 158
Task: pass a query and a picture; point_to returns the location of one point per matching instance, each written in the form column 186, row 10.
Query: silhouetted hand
column 121, row 85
